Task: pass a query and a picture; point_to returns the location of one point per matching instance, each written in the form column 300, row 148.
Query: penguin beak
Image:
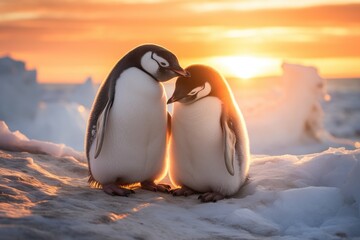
column 181, row 72
column 172, row 99
column 182, row 99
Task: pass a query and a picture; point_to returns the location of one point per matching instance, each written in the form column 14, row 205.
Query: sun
column 245, row 67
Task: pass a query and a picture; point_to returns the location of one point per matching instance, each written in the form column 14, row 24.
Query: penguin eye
column 192, row 93
column 195, row 91
column 161, row 61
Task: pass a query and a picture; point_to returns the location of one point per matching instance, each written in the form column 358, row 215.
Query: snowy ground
column 288, row 197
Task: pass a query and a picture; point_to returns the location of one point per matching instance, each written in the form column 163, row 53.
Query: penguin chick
column 126, row 135
column 209, row 146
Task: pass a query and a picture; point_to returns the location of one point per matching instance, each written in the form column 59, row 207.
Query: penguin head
column 159, row 62
column 204, row 81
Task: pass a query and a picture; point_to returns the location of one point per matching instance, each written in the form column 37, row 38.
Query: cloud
column 95, row 29
column 121, row 21
column 249, row 5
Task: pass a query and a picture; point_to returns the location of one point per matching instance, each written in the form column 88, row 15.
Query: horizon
column 230, row 78
column 67, row 41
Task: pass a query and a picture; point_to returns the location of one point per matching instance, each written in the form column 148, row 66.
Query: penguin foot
column 151, row 186
column 114, row 190
column 183, row 191
column 211, row 197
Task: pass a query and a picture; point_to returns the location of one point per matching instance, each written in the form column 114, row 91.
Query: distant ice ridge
column 84, row 94
column 19, row 92
column 60, row 118
column 287, row 121
column 64, row 120
column 295, row 119
column 60, row 122
column 344, row 108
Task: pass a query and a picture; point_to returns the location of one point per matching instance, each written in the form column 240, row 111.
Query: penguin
column 209, row 146
column 128, row 126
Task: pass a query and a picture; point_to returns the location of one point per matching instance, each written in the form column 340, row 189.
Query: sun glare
column 246, row 67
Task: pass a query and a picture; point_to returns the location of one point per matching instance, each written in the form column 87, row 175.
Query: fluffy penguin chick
column 209, row 147
column 126, row 133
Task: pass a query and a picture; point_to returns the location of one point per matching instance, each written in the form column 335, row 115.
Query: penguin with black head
column 126, row 136
column 209, row 146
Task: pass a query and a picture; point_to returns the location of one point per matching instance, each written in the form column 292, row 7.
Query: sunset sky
column 66, row 41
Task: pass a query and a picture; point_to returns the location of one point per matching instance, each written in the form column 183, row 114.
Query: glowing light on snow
column 141, row 206
column 114, row 217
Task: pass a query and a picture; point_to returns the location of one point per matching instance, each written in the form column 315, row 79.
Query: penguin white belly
column 197, row 148
column 135, row 137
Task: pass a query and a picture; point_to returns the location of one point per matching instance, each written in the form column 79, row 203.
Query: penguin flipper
column 101, row 127
column 229, row 138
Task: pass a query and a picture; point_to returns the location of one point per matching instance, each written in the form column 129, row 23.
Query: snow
column 343, row 109
column 304, row 182
column 84, row 94
column 303, row 88
column 295, row 117
column 19, row 91
column 60, row 123
column 287, row 197
column 45, row 113
column 16, row 141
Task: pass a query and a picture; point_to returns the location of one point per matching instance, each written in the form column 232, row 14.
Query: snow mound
column 16, row 141
column 293, row 119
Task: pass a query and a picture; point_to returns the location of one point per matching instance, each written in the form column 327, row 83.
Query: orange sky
column 69, row 40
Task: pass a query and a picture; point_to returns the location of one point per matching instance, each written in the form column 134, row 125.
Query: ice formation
column 19, row 91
